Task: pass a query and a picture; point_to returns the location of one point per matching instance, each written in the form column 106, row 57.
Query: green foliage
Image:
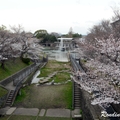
column 76, row 35
column 46, row 37
column 19, row 98
column 80, row 111
column 40, row 33
column 49, row 38
column 26, row 60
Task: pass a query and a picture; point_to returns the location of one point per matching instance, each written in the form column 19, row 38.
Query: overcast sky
column 56, row 15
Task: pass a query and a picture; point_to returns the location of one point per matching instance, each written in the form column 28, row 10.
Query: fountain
column 62, row 53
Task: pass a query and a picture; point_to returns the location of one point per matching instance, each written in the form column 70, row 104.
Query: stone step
column 76, row 93
column 77, row 98
column 11, row 95
column 76, row 89
column 7, row 103
column 9, row 99
column 77, row 105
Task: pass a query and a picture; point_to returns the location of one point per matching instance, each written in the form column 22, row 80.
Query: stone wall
column 89, row 111
column 2, row 99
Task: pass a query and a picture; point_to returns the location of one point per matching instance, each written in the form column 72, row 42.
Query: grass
column 53, row 66
column 45, row 97
column 52, row 96
column 11, row 68
column 61, row 77
column 18, row 117
column 3, row 92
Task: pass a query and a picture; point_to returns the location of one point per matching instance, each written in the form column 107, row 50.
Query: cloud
column 54, row 15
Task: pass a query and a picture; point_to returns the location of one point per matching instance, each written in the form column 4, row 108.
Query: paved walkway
column 66, row 113
column 10, row 86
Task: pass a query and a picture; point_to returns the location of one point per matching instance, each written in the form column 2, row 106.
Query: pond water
column 57, row 55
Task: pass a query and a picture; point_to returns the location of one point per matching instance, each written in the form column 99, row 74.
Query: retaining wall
column 22, row 74
column 89, row 111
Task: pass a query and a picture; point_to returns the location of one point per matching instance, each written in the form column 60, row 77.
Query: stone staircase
column 10, row 98
column 76, row 96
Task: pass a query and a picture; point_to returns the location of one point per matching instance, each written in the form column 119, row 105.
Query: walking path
column 59, row 112
column 10, row 86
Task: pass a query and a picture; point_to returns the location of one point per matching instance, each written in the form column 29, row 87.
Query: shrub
column 26, row 60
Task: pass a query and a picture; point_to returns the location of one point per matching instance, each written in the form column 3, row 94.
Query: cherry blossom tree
column 102, row 78
column 5, row 45
column 16, row 43
column 25, row 43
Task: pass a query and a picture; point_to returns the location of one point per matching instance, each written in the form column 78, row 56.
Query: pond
column 57, row 55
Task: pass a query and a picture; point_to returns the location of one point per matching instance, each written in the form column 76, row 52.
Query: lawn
column 11, row 68
column 61, row 77
column 53, row 66
column 18, row 117
column 3, row 91
column 54, row 96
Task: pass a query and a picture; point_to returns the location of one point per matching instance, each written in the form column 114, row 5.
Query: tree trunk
column 3, row 64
